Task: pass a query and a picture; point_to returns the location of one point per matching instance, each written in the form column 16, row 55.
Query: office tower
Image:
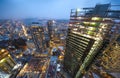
column 106, row 64
column 110, row 58
column 6, row 62
column 86, row 34
column 47, row 38
column 37, row 33
column 51, row 28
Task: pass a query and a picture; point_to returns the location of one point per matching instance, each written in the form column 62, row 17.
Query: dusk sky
column 59, row 9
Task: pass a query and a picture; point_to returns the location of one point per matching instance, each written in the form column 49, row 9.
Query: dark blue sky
column 44, row 8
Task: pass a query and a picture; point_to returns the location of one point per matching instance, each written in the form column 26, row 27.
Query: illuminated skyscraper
column 6, row 62
column 38, row 37
column 51, row 28
column 110, row 59
column 87, row 31
column 106, row 64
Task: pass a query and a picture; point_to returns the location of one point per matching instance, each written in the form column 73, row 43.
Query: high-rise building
column 6, row 62
column 86, row 34
column 38, row 37
column 110, row 59
column 51, row 28
column 106, row 64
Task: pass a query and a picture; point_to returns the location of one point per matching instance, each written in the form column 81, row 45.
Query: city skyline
column 57, row 9
column 56, row 39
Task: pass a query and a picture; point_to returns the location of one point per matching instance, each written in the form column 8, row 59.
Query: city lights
column 1, row 61
column 52, row 41
column 96, row 18
column 3, row 50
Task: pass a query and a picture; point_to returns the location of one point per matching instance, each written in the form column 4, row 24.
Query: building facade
column 86, row 34
column 6, row 62
column 50, row 25
column 38, row 37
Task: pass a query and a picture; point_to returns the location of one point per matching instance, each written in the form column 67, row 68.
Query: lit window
column 96, row 18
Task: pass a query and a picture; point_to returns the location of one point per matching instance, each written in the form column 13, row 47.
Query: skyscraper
column 51, row 28
column 38, row 37
column 6, row 62
column 85, row 38
column 110, row 59
column 106, row 64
